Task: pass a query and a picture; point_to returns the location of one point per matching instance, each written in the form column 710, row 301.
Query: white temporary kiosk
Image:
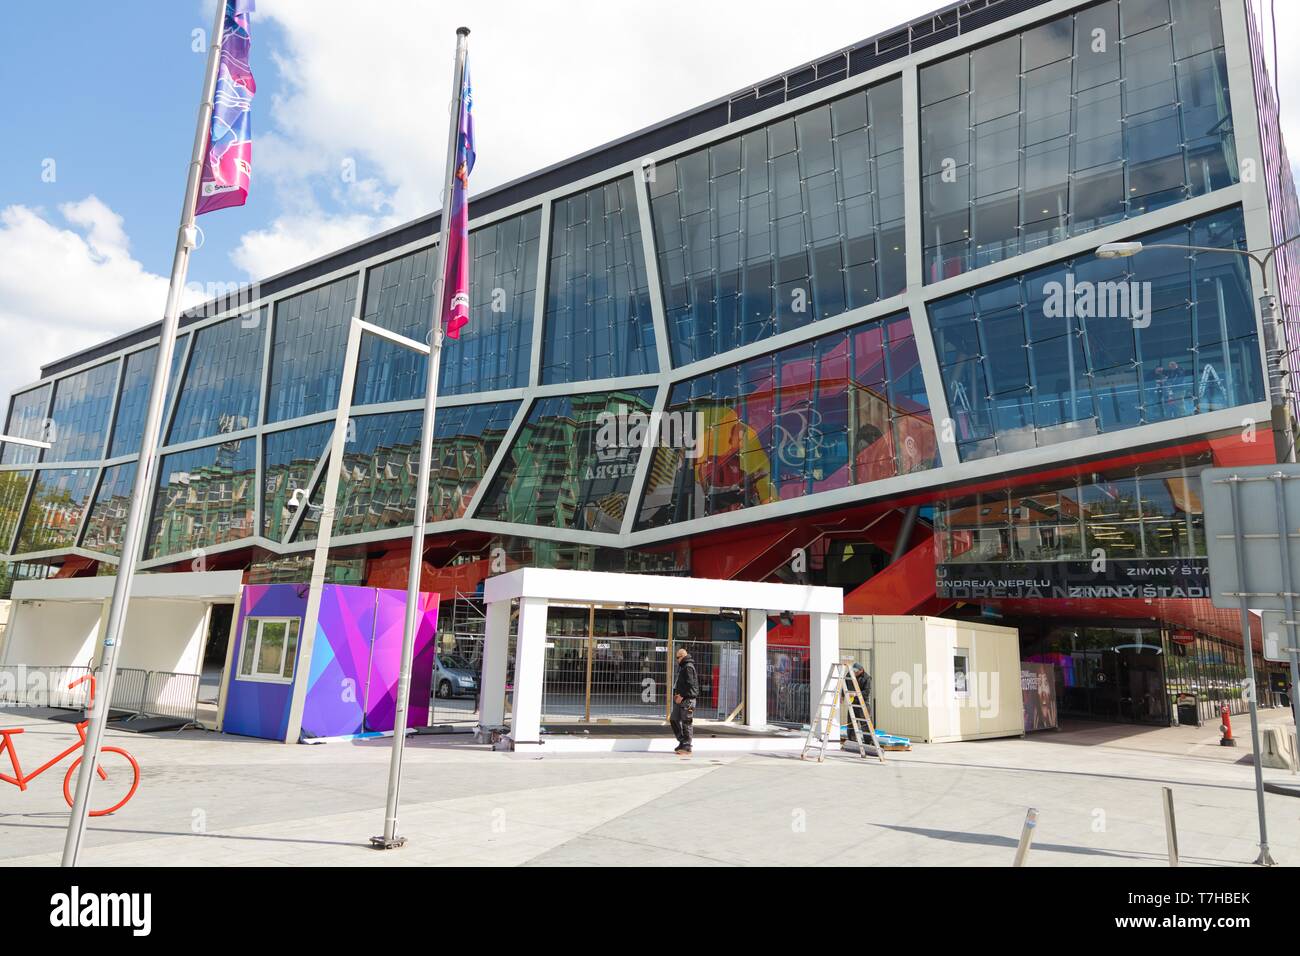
column 935, row 679
column 59, row 622
column 535, row 589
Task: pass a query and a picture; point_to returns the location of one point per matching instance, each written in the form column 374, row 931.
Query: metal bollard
column 1026, row 837
column 1171, row 827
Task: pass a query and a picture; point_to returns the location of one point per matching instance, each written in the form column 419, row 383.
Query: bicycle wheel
column 116, row 784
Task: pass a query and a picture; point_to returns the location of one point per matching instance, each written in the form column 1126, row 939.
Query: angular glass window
column 223, row 379
column 758, row 236
column 109, row 511
column 597, row 319
column 308, row 341
column 26, row 419
column 133, row 403
column 1111, row 344
column 1049, row 43
column 13, row 492
column 846, row 408
column 572, row 462
column 289, row 462
column 59, row 500
column 79, row 419
column 204, row 498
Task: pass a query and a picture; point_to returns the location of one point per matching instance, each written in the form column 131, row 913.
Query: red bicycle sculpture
column 119, row 775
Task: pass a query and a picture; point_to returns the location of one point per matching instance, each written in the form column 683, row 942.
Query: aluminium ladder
column 840, row 682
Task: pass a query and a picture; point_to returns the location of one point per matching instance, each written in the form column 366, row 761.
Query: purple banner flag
column 228, row 165
column 456, row 270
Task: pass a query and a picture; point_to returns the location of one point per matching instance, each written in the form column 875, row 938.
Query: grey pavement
column 211, row 800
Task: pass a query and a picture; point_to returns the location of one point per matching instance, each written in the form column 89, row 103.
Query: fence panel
column 789, row 699
column 464, row 649
column 171, row 694
column 43, row 685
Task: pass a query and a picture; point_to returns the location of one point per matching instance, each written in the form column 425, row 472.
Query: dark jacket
column 687, row 684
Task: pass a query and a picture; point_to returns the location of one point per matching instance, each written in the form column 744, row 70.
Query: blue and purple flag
column 456, row 269
column 228, row 164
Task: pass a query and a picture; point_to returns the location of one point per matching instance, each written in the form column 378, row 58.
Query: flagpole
column 390, row 839
column 138, row 514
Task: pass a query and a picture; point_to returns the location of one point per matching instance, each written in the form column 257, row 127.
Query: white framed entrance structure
column 536, row 589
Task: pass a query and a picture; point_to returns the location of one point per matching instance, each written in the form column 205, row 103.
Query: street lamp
column 1268, row 310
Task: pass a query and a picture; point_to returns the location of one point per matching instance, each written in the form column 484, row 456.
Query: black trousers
column 683, row 721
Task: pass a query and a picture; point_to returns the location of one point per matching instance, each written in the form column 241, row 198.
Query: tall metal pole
column 1264, row 858
column 390, row 839
column 138, row 514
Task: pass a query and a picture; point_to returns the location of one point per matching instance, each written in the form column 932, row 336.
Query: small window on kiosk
column 270, row 649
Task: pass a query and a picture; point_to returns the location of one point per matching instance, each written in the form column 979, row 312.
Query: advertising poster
column 1038, row 690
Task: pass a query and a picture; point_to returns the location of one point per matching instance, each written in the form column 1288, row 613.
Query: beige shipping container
column 935, row 679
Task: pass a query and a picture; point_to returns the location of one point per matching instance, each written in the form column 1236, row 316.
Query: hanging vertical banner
column 456, row 274
column 228, row 163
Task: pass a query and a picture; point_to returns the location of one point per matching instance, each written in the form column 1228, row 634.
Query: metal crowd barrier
column 171, row 694
column 43, row 685
column 136, row 692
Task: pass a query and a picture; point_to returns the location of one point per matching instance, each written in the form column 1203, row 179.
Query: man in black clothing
column 686, row 691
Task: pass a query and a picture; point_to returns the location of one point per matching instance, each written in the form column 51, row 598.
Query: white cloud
column 67, row 287
column 549, row 82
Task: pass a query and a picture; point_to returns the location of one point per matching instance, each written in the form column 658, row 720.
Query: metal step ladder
column 841, row 685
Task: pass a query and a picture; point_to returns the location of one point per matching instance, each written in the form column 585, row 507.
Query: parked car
column 453, row 676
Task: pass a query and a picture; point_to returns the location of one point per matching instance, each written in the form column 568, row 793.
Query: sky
column 349, row 123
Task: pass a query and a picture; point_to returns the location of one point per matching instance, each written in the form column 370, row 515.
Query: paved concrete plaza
column 210, row 800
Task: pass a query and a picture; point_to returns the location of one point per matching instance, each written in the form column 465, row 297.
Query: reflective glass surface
column 26, row 420
column 134, row 402
column 205, row 498
column 13, row 492
column 571, row 464
column 79, row 419
column 108, row 514
column 308, row 342
column 1090, row 345
column 844, row 409
column 377, row 484
column 223, row 378
column 289, row 460
column 783, row 225
column 1063, row 128
column 59, row 500
column 598, row 322
column 1153, row 511
column 492, row 351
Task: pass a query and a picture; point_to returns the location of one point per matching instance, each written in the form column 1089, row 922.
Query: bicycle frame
column 20, row 780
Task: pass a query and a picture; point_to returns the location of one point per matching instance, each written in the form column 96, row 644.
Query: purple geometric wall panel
column 340, row 663
column 261, row 708
column 390, row 622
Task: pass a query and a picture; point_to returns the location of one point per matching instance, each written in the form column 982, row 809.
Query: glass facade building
column 869, row 283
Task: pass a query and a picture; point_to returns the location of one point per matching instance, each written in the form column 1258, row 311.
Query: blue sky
column 108, row 93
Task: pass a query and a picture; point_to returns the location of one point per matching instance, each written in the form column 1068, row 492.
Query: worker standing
column 686, row 691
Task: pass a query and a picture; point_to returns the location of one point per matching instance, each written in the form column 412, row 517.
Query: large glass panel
column 13, row 492
column 26, row 420
column 58, row 502
column 108, row 514
column 781, row 226
column 223, row 379
column 205, row 498
column 79, row 419
column 492, row 351
column 572, row 462
column 289, row 460
column 308, row 342
column 133, row 404
column 844, row 409
column 597, row 322
column 1138, row 123
column 466, row 438
column 1107, row 344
